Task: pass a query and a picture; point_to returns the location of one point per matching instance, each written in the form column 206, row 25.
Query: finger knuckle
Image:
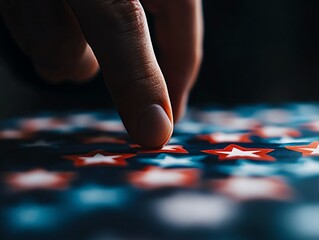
column 124, row 14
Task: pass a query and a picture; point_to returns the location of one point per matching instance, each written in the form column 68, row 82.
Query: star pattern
column 307, row 150
column 220, row 137
column 39, row 179
column 199, row 181
column 100, row 158
column 250, row 188
column 155, row 177
column 274, row 131
column 232, row 152
column 166, row 161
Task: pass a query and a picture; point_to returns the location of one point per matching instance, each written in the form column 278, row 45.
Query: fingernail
column 154, row 127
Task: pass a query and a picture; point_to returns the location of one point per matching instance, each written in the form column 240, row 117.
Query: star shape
column 104, row 139
column 13, row 134
column 287, row 140
column 46, row 124
column 165, row 161
column 274, row 131
column 193, row 209
column 154, row 177
column 233, row 151
column 250, row 188
column 40, row 143
column 220, row 137
column 165, row 149
column 215, row 117
column 82, row 120
column 32, row 216
column 274, row 116
column 95, row 196
column 100, row 158
column 239, row 123
column 109, row 126
column 246, row 168
column 190, row 127
column 38, row 179
column 307, row 150
column 313, row 126
column 307, row 168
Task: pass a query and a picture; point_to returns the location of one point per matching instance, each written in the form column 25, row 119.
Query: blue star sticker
column 246, row 169
column 166, row 161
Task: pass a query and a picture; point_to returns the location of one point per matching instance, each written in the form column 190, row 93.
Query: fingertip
column 154, row 127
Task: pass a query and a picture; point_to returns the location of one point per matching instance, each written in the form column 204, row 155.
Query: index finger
column 118, row 33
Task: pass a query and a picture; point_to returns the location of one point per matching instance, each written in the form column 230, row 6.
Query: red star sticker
column 219, row 137
column 165, row 149
column 249, row 188
column 238, row 123
column 42, row 124
column 39, row 179
column 100, row 158
column 313, row 126
column 233, row 151
column 104, row 139
column 155, row 177
column 13, row 134
column 307, row 150
column 274, row 131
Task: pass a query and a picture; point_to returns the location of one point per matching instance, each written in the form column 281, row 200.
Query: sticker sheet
column 250, row 172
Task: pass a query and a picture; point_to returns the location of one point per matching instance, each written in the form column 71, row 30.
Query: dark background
column 255, row 51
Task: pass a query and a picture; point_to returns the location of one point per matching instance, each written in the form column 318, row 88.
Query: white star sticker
column 158, row 177
column 245, row 188
column 39, row 178
column 275, row 131
column 168, row 147
column 240, row 124
column 185, row 210
column 99, row 158
column 227, row 137
column 235, row 152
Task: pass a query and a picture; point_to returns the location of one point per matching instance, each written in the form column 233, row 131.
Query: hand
column 59, row 36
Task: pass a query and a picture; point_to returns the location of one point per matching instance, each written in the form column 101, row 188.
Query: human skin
column 73, row 39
